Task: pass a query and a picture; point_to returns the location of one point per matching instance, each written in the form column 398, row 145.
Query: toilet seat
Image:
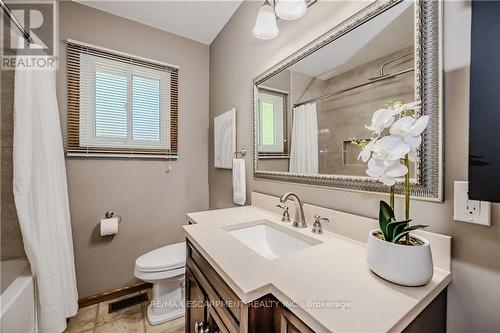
column 166, row 258
column 152, row 277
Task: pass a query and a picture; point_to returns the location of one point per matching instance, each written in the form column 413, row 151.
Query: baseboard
column 106, row 296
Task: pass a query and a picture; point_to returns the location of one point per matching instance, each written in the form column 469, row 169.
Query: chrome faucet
column 300, row 220
column 317, row 227
column 285, row 216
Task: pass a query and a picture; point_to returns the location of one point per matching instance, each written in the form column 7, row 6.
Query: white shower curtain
column 41, row 197
column 304, row 147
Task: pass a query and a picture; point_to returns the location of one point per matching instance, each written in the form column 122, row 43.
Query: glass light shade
column 265, row 25
column 290, row 9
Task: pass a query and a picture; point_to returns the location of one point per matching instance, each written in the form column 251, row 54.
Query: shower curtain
column 41, row 197
column 304, row 147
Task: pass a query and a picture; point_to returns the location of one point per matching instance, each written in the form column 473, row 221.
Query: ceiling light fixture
column 290, row 9
column 265, row 24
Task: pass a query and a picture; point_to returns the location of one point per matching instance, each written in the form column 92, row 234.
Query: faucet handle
column 285, row 217
column 317, row 227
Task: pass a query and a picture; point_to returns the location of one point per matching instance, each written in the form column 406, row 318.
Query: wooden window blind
column 120, row 105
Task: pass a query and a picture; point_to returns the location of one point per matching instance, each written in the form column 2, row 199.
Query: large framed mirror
column 322, row 96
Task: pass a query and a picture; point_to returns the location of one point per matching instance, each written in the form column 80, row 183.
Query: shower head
column 383, row 75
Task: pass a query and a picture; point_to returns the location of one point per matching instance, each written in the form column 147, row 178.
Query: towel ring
column 242, row 152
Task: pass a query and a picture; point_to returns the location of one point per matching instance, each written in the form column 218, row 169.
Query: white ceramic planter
column 401, row 264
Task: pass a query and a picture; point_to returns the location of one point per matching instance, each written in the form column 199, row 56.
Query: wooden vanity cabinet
column 212, row 307
column 196, row 304
column 287, row 322
column 215, row 324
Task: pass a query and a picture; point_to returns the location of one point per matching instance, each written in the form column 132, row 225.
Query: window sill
column 273, row 156
column 123, row 156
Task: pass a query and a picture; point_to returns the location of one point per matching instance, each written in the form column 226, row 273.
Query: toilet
column 164, row 268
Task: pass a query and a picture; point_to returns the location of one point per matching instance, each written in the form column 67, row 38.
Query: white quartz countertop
column 330, row 283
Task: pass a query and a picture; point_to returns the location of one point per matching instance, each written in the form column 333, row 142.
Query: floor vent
column 127, row 302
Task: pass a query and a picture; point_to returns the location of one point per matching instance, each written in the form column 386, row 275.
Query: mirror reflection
column 308, row 113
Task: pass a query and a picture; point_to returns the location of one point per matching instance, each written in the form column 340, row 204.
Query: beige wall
column 236, row 58
column 151, row 202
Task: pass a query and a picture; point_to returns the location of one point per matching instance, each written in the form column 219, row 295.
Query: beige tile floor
column 95, row 319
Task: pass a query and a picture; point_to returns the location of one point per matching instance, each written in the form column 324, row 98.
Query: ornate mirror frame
column 428, row 180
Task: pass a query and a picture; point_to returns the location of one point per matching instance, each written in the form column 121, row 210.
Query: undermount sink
column 270, row 240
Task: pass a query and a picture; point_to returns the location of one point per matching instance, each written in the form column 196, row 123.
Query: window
column 272, row 109
column 119, row 105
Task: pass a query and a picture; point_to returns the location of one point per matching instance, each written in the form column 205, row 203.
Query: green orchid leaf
column 385, row 216
column 407, row 230
column 415, row 227
column 392, row 226
column 399, row 236
column 399, row 228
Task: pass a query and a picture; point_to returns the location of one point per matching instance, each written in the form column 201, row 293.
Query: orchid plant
column 396, row 135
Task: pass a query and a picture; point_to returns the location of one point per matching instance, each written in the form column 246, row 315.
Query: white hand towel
column 239, row 181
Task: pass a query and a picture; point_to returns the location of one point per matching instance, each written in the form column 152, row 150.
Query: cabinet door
column 215, row 324
column 196, row 309
column 287, row 322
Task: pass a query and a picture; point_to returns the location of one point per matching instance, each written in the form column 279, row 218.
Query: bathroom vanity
column 223, row 311
column 247, row 271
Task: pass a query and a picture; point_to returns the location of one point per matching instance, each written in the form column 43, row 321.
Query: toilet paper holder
column 109, row 214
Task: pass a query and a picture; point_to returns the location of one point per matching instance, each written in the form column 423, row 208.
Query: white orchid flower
column 366, row 152
column 384, row 154
column 384, row 163
column 387, row 174
column 381, row 119
column 392, row 172
column 410, row 129
column 389, row 149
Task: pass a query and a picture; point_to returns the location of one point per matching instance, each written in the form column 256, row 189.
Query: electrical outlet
column 473, row 207
column 466, row 210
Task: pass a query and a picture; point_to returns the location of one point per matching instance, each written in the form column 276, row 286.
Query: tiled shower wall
column 344, row 116
column 11, row 240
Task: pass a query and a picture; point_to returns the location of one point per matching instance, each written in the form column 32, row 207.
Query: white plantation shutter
column 272, row 122
column 119, row 105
